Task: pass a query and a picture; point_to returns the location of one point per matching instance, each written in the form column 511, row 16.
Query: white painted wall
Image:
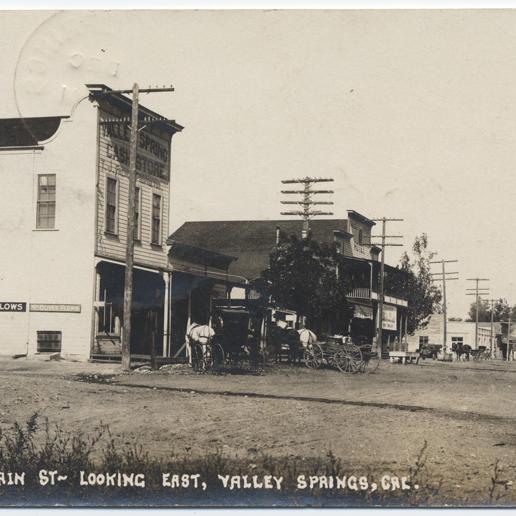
column 50, row 266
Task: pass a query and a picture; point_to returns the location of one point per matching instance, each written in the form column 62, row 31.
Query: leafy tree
column 415, row 284
column 311, row 279
column 501, row 311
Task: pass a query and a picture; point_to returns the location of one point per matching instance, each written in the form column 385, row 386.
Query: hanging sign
column 54, row 307
column 389, row 318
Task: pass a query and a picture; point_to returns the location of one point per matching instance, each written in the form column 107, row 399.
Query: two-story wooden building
column 63, row 213
column 250, row 242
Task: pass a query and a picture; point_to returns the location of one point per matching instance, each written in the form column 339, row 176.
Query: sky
column 413, row 113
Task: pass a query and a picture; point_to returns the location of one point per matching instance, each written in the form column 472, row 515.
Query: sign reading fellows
column 8, row 306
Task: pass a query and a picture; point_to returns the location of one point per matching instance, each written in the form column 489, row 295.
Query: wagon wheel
column 198, row 363
column 349, row 359
column 313, row 356
column 372, row 361
column 217, row 357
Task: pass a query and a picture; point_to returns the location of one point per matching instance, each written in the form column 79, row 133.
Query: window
column 46, row 207
column 137, row 219
column 156, row 219
column 360, row 237
column 423, row 341
column 111, row 206
column 457, row 340
column 49, row 341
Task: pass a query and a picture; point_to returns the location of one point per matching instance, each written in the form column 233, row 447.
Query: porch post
column 166, row 308
column 95, row 323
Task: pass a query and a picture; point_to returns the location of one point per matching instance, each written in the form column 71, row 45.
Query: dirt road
column 466, row 412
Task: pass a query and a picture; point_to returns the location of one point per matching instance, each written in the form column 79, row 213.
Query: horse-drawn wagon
column 341, row 352
column 231, row 339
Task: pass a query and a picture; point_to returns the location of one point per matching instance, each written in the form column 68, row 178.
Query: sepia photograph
column 258, row 258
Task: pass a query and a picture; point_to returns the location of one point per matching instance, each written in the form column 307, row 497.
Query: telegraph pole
column 129, row 254
column 491, row 342
column 383, row 245
column 307, row 201
column 478, row 291
column 445, row 276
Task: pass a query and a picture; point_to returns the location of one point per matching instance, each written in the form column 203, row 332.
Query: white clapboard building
column 63, row 210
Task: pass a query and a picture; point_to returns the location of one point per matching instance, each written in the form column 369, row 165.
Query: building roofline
column 361, row 217
column 100, row 92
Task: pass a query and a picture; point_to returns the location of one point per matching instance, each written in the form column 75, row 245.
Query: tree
column 309, row 277
column 415, row 285
column 501, row 310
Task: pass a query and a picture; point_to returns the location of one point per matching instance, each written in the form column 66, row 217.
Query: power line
column 479, row 291
column 306, row 202
column 444, row 277
column 383, row 244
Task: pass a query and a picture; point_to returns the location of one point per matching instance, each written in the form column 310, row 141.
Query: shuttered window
column 156, row 219
column 46, row 208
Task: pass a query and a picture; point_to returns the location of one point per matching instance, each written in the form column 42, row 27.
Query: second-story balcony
column 368, row 294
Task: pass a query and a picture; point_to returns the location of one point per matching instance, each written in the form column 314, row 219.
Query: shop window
column 49, row 341
column 111, row 206
column 156, row 219
column 423, row 341
column 46, row 203
column 137, row 218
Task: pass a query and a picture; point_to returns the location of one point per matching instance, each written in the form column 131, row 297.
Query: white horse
column 306, row 337
column 198, row 334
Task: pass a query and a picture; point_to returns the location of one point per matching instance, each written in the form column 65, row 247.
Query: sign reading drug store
column 9, row 306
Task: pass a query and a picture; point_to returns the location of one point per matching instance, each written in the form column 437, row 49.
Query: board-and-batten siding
column 114, row 246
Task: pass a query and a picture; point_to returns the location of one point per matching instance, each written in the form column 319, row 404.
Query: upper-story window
column 360, row 237
column 156, row 219
column 111, row 206
column 46, row 203
column 137, row 217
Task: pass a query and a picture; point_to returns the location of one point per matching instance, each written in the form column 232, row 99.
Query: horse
column 198, row 335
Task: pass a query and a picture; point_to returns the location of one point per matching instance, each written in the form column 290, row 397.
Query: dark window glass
column 49, row 341
column 156, row 219
column 111, row 205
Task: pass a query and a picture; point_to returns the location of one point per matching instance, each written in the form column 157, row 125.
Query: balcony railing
column 365, row 293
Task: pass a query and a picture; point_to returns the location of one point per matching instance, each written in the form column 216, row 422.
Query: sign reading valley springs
column 9, row 306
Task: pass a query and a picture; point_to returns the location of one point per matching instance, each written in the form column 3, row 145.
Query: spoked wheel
column 372, row 362
column 313, row 356
column 217, row 356
column 198, row 363
column 349, row 359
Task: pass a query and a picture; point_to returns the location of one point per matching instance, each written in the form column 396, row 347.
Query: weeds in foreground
column 38, row 445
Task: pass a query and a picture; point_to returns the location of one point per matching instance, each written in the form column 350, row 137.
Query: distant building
column 458, row 332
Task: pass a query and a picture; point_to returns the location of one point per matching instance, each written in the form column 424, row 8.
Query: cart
column 340, row 352
column 237, row 336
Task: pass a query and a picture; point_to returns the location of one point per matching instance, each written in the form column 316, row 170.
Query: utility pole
column 491, row 341
column 383, row 245
column 307, row 201
column 445, row 276
column 478, row 291
column 129, row 251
